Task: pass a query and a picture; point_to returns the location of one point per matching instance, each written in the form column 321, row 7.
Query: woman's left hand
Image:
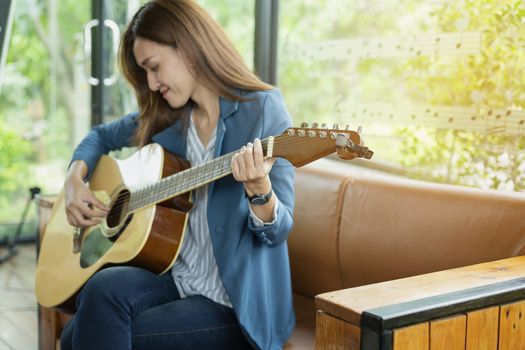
column 250, row 167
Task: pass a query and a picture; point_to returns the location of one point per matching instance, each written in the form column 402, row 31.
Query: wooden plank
column 334, row 334
column 512, row 326
column 415, row 337
column 17, row 301
column 448, row 333
column 482, row 329
column 349, row 304
column 24, row 320
column 14, row 336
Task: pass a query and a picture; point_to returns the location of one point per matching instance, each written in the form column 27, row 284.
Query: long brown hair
column 185, row 25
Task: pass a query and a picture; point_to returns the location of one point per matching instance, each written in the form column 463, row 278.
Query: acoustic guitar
column 146, row 223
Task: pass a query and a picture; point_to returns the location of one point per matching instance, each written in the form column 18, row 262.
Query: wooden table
column 475, row 307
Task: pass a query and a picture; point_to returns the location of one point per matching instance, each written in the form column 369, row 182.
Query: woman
column 230, row 286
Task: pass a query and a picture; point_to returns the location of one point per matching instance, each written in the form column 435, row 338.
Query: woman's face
column 166, row 71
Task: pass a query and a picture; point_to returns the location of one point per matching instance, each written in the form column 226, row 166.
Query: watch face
column 259, row 200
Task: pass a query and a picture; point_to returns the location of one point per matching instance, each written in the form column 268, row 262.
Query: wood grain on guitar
column 149, row 196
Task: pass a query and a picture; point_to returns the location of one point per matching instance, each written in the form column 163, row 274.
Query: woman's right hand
column 83, row 209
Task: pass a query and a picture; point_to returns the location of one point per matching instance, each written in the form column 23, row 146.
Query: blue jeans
column 128, row 307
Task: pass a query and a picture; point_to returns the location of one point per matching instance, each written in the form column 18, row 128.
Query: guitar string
column 192, row 180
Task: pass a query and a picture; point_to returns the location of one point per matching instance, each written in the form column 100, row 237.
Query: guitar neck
column 299, row 146
column 187, row 180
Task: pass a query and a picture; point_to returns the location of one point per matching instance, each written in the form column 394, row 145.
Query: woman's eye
column 155, row 68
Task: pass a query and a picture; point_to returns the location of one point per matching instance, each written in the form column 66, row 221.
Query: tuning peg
column 335, row 127
column 340, row 141
column 359, row 129
column 315, row 125
column 323, row 126
column 347, row 127
column 304, row 125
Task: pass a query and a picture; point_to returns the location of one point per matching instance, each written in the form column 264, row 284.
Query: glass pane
column 45, row 97
column 437, row 85
column 120, row 98
column 44, row 101
column 236, row 18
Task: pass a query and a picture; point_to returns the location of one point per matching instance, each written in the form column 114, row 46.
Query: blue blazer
column 253, row 261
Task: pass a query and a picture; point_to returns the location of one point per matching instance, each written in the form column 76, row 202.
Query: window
column 45, row 101
column 438, row 86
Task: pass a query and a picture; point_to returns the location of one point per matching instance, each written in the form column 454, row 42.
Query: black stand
column 11, row 242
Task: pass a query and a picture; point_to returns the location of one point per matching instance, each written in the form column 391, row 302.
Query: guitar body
column 149, row 237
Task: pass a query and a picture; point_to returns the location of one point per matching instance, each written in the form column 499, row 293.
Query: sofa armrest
column 447, row 303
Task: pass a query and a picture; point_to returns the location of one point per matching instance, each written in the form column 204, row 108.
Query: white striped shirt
column 195, row 271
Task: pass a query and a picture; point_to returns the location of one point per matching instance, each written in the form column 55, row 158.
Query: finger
column 235, row 167
column 241, row 164
column 77, row 219
column 268, row 164
column 99, row 205
column 94, row 202
column 249, row 162
column 71, row 218
column 258, row 156
column 89, row 211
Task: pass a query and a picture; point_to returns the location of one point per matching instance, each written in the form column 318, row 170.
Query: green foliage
column 15, row 154
column 237, row 19
column 496, row 76
column 36, row 104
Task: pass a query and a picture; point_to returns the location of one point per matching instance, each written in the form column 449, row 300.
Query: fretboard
column 181, row 182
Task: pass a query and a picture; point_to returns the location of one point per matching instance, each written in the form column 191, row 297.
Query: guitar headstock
column 302, row 145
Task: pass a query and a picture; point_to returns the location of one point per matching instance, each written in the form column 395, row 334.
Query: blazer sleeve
column 276, row 120
column 105, row 138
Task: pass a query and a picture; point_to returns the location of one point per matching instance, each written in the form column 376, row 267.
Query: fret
column 164, row 186
column 183, row 183
column 201, row 173
column 218, row 166
column 208, row 169
column 169, row 184
column 154, row 194
column 139, row 198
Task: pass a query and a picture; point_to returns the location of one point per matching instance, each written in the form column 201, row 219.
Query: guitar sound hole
column 119, row 210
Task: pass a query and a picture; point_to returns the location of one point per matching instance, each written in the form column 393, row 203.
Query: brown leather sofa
column 355, row 226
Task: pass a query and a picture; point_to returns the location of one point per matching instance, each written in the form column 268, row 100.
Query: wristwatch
column 259, row 199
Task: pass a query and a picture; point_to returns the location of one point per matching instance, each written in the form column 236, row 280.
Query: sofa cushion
column 393, row 227
column 313, row 242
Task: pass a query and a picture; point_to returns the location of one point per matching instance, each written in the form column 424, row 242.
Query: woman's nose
column 153, row 82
